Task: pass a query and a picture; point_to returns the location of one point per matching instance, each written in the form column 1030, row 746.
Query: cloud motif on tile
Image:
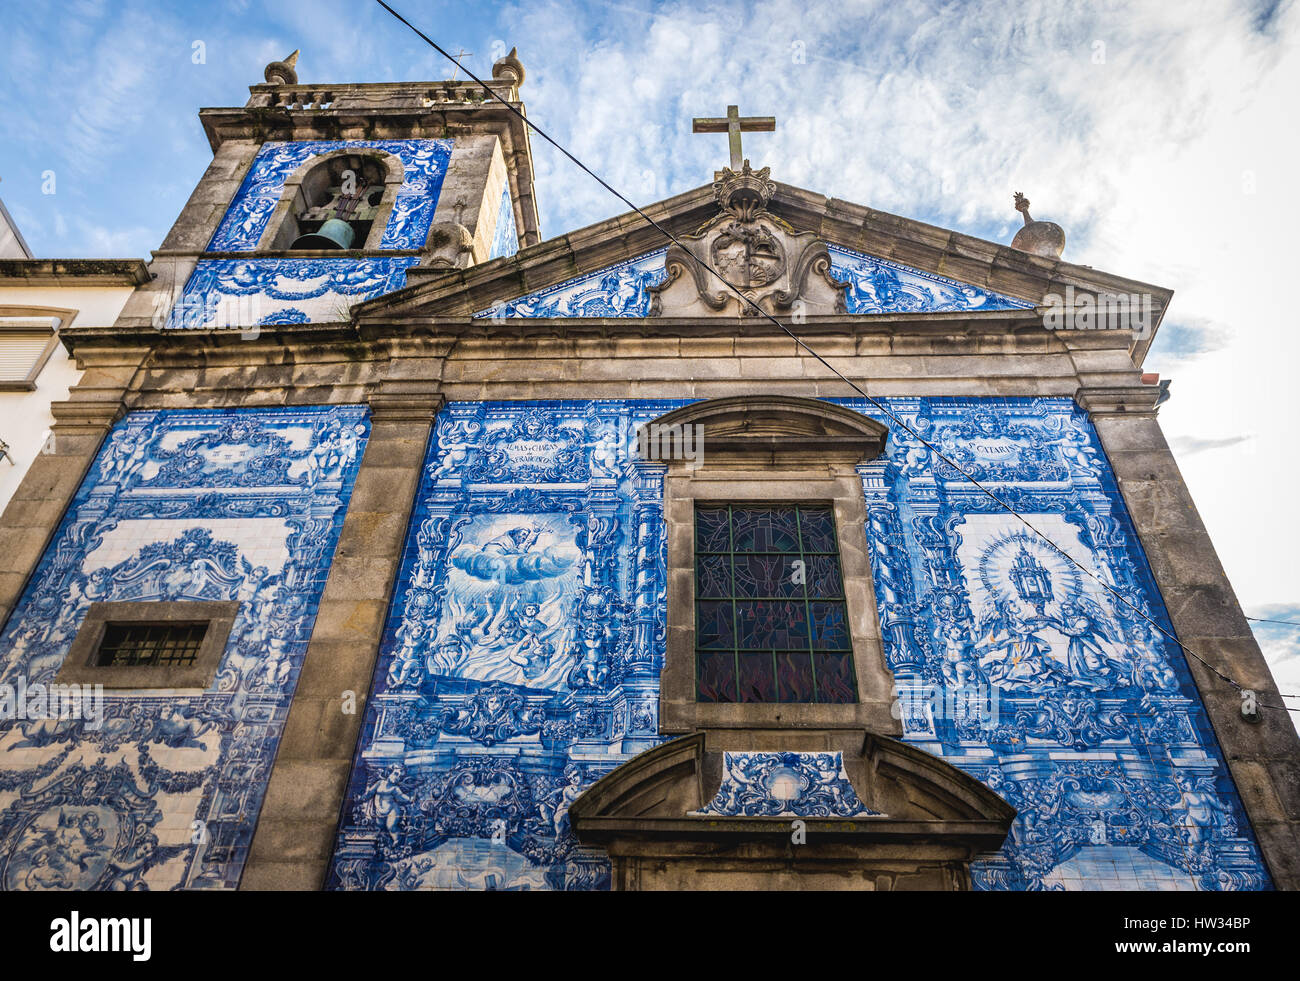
column 806, row 785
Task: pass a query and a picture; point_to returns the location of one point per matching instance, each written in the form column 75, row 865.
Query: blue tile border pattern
column 163, row 792
column 246, row 293
column 425, row 165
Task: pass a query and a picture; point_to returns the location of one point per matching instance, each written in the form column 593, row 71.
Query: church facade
column 385, row 545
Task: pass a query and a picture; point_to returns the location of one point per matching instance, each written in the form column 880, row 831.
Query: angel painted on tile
column 590, row 664
column 1012, row 655
column 555, row 806
column 412, row 636
column 252, row 594
column 456, row 439
column 530, row 652
column 384, row 800
column 1205, row 817
column 124, row 455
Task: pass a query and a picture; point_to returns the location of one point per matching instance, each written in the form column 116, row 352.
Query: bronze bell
column 334, row 234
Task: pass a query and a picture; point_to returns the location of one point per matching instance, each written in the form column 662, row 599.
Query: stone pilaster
column 80, row 425
column 299, row 818
column 1264, row 757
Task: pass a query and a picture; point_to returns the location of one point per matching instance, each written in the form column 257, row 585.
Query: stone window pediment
column 766, row 430
column 736, row 810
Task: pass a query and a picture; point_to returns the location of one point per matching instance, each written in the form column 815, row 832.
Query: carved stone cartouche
column 755, row 251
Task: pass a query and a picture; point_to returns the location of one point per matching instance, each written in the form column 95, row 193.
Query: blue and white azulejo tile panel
column 505, row 238
column 521, row 659
column 882, row 286
column 163, row 790
column 616, row 291
column 1068, row 698
column 224, row 294
column 424, row 161
column 875, row 286
column 785, row 785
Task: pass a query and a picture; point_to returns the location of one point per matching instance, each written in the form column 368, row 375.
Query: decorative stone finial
column 744, row 193
column 1045, row 238
column 282, row 72
column 509, row 69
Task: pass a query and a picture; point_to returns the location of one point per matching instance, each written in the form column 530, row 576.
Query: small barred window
column 150, row 645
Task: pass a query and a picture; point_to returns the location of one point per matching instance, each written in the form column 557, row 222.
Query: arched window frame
column 770, row 449
column 282, row 229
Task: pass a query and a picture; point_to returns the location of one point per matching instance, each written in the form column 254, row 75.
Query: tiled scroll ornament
column 785, row 785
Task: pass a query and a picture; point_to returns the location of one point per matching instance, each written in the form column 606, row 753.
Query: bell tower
column 320, row 196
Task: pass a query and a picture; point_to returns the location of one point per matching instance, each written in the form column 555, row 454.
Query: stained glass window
column 770, row 620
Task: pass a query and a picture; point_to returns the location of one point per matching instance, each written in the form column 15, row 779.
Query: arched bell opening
column 335, row 202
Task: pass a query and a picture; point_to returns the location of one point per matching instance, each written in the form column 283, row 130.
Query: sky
column 1162, row 137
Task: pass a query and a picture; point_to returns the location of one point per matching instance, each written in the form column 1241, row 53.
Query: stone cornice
column 1136, row 399
column 73, row 272
column 404, row 402
column 1023, row 326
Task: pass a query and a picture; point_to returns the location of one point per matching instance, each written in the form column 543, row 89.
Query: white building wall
column 25, row 417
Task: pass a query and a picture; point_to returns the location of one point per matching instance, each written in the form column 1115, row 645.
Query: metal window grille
column 150, row 645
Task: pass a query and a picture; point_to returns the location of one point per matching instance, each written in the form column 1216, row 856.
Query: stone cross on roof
column 459, row 55
column 733, row 125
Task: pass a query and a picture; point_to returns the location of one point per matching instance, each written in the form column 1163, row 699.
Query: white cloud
column 1169, row 161
column 1280, row 642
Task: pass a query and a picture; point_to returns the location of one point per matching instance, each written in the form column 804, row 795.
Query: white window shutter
column 20, row 351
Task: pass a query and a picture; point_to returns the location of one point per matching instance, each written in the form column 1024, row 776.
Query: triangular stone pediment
column 794, row 252
column 779, row 269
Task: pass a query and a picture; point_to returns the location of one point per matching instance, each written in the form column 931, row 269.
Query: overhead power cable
column 879, row 406
column 1289, row 623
